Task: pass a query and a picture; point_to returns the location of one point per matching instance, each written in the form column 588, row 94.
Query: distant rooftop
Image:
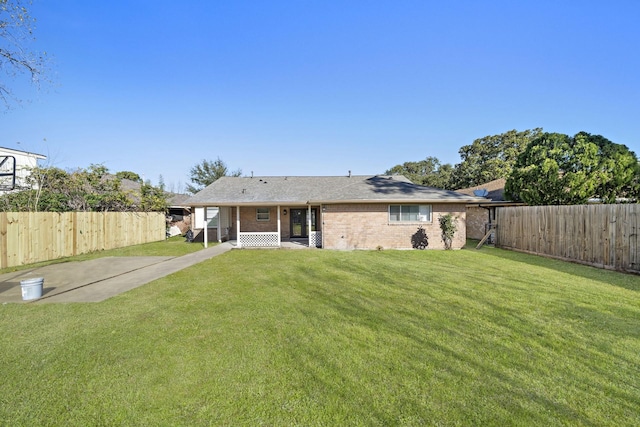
column 10, row 151
column 494, row 190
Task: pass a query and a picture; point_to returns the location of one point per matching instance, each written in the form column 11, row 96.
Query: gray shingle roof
column 280, row 190
column 495, row 189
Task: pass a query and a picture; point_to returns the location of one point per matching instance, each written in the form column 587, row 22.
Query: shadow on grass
column 427, row 342
column 621, row 279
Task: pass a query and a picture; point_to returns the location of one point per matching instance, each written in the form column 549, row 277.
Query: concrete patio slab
column 99, row 279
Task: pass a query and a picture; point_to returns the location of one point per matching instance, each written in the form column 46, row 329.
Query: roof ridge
column 307, row 176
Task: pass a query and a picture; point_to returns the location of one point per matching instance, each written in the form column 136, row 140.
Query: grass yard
column 326, row 338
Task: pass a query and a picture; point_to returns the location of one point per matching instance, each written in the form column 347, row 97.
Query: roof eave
column 27, row 153
column 253, row 203
column 496, row 203
column 334, row 201
column 396, row 201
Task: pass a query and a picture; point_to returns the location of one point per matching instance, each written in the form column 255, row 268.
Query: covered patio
column 261, row 226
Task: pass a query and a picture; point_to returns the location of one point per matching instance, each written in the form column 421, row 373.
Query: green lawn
column 318, row 337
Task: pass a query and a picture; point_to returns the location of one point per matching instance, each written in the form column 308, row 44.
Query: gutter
column 334, row 202
column 394, row 201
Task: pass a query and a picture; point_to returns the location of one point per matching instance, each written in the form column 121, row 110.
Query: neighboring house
column 333, row 212
column 15, row 168
column 179, row 214
column 482, row 216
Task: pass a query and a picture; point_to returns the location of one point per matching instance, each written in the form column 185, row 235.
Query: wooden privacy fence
column 600, row 235
column 29, row 237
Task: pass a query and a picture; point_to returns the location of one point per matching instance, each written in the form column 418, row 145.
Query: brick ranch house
column 333, row 212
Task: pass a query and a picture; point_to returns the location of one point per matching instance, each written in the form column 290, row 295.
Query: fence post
column 3, row 241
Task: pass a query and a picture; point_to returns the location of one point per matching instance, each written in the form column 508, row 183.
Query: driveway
column 99, row 279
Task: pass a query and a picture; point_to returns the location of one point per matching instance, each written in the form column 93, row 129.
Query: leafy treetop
column 490, row 158
column 131, row 176
column 428, row 172
column 207, row 172
column 556, row 169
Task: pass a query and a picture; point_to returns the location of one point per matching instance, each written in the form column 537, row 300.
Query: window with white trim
column 409, row 213
column 263, row 214
column 212, row 217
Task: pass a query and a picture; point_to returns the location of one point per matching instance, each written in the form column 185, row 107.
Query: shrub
column 449, row 226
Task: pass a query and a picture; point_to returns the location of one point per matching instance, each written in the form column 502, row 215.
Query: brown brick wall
column 359, row 226
column 477, row 218
column 249, row 221
column 366, row 226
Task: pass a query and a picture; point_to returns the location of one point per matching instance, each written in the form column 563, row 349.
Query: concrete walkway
column 102, row 278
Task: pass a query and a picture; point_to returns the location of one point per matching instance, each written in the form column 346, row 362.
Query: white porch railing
column 315, row 239
column 258, row 240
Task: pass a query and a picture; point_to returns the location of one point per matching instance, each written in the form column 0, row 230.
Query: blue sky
column 319, row 88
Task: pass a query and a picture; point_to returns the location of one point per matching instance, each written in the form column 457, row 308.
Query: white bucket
column 32, row 288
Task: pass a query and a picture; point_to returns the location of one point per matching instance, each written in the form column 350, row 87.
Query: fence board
column 601, row 235
column 4, row 251
column 29, row 237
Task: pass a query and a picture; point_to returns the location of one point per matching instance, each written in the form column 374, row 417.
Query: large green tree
column 207, row 172
column 618, row 170
column 490, row 158
column 429, row 172
column 16, row 58
column 556, row 169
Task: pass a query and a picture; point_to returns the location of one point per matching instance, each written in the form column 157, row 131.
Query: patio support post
column 205, row 227
column 238, row 225
column 219, row 228
column 279, row 234
column 309, row 225
column 321, row 211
